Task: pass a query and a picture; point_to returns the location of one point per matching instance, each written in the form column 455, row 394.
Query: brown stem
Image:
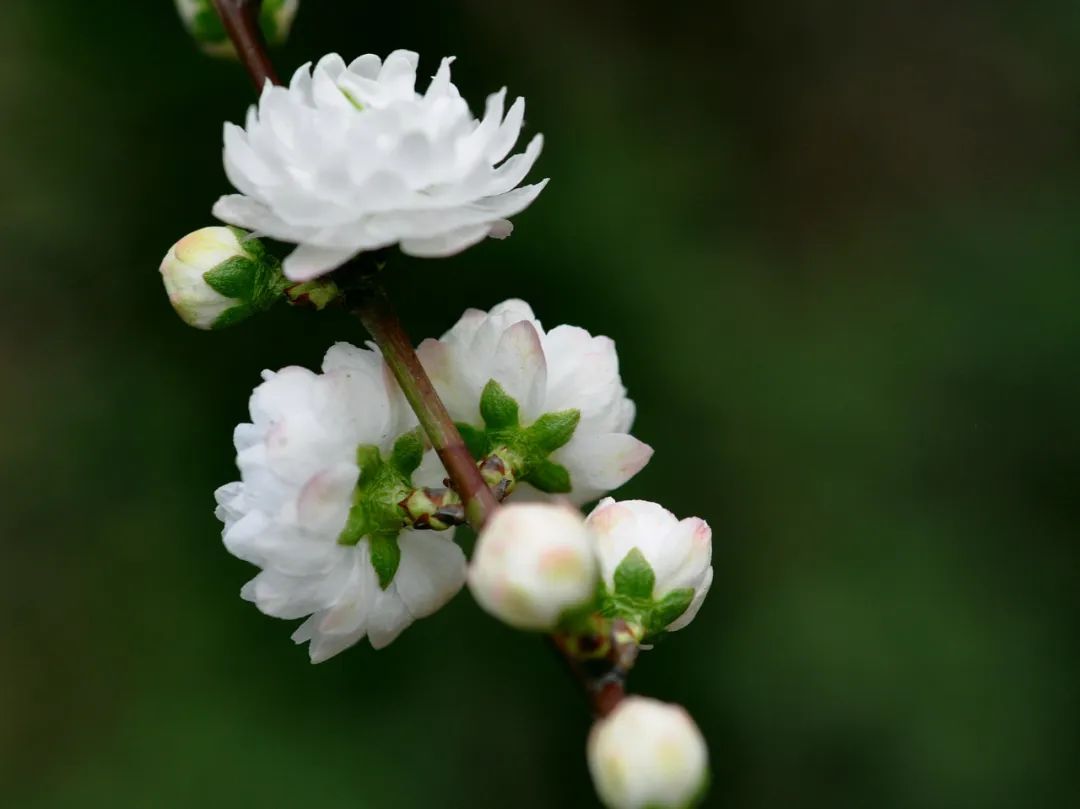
column 600, row 661
column 379, row 318
column 241, row 20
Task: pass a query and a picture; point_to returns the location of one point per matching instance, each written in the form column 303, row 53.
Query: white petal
column 389, row 618
column 508, row 133
column 599, row 464
column 432, row 571
column 308, row 261
column 695, row 605
column 519, row 367
column 445, row 244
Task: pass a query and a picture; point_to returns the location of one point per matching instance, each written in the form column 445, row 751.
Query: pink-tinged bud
column 532, row 564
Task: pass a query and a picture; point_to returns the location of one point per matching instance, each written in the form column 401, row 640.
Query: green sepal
column 233, row 278
column 634, row 577
column 375, row 503
column 385, row 556
column 357, row 525
column 250, row 245
column 549, row 477
column 206, row 26
column 408, row 452
column 476, row 440
column 498, row 409
column 232, row 316
column 553, row 430
column 669, row 608
column 369, row 459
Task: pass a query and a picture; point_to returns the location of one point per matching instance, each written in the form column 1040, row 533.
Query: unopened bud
column 533, row 564
column 657, row 569
column 217, row 276
column 202, row 20
column 648, row 754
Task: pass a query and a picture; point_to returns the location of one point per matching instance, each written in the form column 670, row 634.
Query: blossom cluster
column 322, row 451
column 343, row 503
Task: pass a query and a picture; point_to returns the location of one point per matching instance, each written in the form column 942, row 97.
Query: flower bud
column 648, row 753
column 214, row 279
column 533, row 563
column 657, row 569
column 201, row 19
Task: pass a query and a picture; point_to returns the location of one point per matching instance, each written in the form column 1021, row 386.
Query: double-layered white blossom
column 185, row 269
column 352, row 158
column 299, row 471
column 679, row 552
column 544, row 372
column 648, row 755
column 533, row 562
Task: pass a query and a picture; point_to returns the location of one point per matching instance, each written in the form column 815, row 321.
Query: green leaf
column 634, row 577
column 408, row 452
column 669, row 608
column 385, row 556
column 550, row 477
column 497, row 407
column 553, row 430
column 233, row 278
column 476, row 440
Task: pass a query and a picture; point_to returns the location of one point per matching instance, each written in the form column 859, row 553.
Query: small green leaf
column 233, row 278
column 476, row 440
column 669, row 608
column 385, row 556
column 550, row 477
column 553, row 430
column 634, row 577
column 408, row 452
column 497, row 407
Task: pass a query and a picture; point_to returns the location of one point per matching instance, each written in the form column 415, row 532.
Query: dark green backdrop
column 838, row 247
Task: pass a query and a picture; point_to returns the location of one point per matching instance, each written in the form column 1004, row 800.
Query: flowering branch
column 545, row 410
column 599, row 659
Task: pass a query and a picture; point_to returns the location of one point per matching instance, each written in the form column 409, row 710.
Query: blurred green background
column 838, row 246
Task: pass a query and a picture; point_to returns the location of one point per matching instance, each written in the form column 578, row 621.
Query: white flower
column 350, row 159
column 532, row 563
column 679, row 553
column 185, row 270
column 299, row 470
column 545, row 372
column 648, row 755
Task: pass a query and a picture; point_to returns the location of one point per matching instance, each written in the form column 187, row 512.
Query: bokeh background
column 838, row 246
